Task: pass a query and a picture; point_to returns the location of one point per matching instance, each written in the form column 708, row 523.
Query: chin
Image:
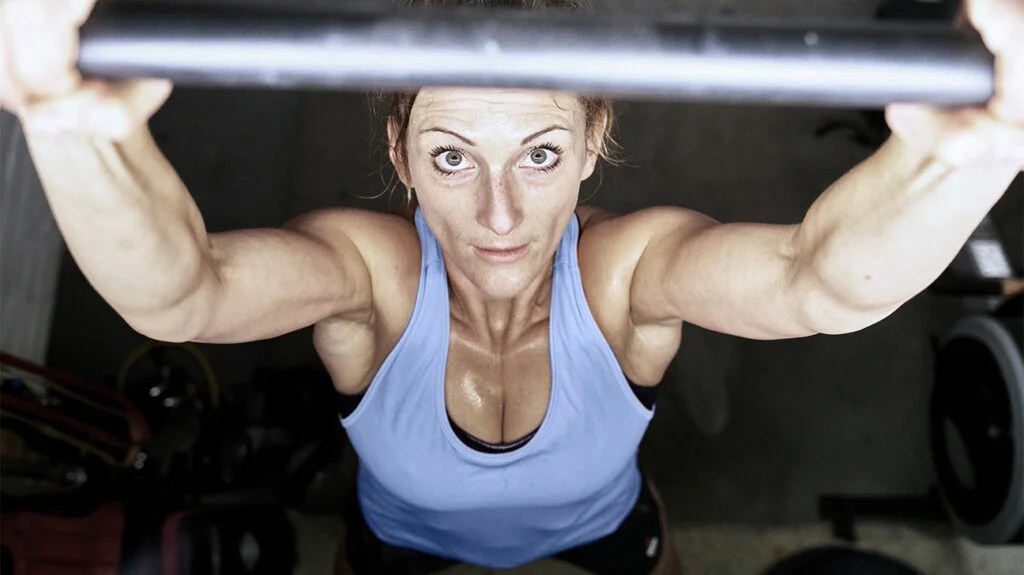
column 503, row 284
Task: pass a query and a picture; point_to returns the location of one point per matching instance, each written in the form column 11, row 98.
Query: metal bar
column 617, row 55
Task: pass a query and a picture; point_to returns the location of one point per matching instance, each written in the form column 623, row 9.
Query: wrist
column 958, row 138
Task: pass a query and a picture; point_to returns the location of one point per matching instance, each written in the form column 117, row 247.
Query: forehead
column 478, row 106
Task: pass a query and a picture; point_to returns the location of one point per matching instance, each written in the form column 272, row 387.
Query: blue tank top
column 421, row 487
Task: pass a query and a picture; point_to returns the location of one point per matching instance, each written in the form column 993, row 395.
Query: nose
column 499, row 206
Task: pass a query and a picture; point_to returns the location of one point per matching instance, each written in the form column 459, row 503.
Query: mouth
column 506, row 255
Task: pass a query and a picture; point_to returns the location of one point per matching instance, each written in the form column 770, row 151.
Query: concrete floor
column 747, row 434
column 735, row 549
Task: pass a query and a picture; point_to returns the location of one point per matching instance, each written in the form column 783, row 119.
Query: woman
column 497, row 356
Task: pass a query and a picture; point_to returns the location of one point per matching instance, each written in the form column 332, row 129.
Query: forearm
column 129, row 222
column 889, row 227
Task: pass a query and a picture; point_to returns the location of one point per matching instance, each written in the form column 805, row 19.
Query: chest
column 498, row 394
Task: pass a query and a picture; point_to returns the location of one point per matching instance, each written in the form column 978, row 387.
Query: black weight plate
column 976, row 431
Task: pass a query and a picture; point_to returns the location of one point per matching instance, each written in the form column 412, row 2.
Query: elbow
column 185, row 318
column 182, row 323
column 839, row 291
column 825, row 315
column 829, row 305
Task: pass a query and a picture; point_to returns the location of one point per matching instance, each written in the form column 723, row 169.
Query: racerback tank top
column 421, row 487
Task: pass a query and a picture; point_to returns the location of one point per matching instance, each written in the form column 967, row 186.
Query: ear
column 594, row 144
column 397, row 159
column 589, row 163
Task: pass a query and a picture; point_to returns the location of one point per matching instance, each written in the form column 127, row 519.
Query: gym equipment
column 977, row 424
column 608, row 53
column 171, row 375
column 63, row 437
column 174, row 386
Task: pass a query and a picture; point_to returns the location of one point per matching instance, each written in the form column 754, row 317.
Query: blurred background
column 760, row 449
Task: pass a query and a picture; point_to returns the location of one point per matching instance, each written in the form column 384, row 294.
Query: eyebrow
column 450, row 133
column 469, row 142
column 542, row 132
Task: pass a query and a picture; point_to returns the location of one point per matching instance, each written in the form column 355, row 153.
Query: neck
column 499, row 323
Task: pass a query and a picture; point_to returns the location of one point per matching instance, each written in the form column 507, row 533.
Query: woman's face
column 497, row 174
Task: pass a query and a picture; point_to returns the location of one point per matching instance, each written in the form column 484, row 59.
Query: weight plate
column 977, row 429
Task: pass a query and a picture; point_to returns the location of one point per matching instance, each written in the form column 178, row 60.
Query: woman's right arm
column 139, row 238
column 131, row 224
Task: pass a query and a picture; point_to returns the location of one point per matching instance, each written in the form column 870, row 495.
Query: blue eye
column 544, row 158
column 452, row 159
column 540, row 156
column 448, row 160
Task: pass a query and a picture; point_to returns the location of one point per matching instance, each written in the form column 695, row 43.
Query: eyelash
column 434, row 153
column 558, row 150
column 555, row 148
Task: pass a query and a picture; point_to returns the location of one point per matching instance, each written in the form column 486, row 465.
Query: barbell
column 621, row 55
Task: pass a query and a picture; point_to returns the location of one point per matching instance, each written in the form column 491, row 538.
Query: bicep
column 266, row 282
column 738, row 279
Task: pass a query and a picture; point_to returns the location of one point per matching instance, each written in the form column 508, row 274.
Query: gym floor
column 734, row 549
column 747, row 434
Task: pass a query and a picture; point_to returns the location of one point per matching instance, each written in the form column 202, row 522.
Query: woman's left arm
column 887, row 229
column 874, row 239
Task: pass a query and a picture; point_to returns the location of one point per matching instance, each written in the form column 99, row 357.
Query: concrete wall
column 30, row 250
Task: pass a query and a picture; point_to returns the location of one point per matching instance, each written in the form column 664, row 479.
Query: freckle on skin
column 867, row 278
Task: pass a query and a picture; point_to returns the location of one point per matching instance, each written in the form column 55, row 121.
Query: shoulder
column 387, row 245
column 619, row 240
column 653, row 220
column 382, row 240
column 389, row 253
column 611, row 249
column 359, row 226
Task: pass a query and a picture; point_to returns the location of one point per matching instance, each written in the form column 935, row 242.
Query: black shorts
column 633, row 548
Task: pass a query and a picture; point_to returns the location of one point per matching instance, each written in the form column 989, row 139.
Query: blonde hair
column 598, row 112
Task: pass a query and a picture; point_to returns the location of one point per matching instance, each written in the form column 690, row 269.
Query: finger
column 1008, row 103
column 1000, row 22
column 39, row 55
column 1001, row 25
column 139, row 100
column 79, row 10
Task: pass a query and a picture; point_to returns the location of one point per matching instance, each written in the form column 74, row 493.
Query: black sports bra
column 348, row 403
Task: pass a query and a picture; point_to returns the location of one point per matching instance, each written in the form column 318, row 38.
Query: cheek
column 449, row 211
column 424, row 174
column 555, row 188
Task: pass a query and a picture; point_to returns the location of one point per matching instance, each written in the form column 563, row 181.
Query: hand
column 40, row 83
column 993, row 135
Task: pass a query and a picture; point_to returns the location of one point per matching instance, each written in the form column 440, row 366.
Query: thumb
column 79, row 10
column 925, row 128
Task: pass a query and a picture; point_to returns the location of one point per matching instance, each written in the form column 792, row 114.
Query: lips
column 505, row 255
